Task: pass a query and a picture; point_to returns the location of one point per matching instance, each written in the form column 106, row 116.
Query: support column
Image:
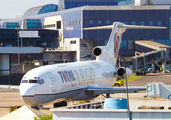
column 153, row 66
column 164, row 66
column 78, row 51
column 136, row 62
column 144, row 61
column 9, row 69
column 164, row 62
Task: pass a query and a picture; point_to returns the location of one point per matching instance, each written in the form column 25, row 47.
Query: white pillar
column 164, row 66
column 78, row 50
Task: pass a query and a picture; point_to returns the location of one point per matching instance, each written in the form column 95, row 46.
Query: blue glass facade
column 11, row 25
column 133, row 17
column 48, row 8
column 78, row 3
column 32, row 24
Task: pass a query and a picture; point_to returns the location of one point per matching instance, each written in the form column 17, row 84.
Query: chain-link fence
column 22, row 68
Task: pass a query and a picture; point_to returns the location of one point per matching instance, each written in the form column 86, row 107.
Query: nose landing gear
column 107, row 96
column 35, row 107
column 59, row 104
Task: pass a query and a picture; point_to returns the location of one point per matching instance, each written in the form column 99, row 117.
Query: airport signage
column 68, row 28
column 28, row 34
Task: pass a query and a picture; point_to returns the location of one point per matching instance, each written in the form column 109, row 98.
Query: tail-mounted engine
column 97, row 51
column 121, row 72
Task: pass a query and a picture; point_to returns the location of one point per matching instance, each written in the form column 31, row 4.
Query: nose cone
column 27, row 93
column 26, row 89
column 29, row 100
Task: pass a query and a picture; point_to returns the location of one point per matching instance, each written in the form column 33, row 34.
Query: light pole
column 129, row 112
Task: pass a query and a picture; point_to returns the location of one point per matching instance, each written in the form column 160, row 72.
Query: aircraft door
column 52, row 78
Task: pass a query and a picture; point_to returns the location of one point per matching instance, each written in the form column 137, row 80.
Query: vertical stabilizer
column 110, row 52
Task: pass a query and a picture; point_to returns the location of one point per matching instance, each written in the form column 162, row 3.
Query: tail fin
column 110, row 52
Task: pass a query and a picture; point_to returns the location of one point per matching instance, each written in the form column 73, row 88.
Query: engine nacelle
column 98, row 51
column 121, row 72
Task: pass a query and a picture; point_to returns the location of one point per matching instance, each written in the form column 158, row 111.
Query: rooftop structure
column 41, row 10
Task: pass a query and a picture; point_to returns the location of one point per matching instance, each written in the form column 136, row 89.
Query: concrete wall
column 108, row 114
column 75, row 46
column 11, row 50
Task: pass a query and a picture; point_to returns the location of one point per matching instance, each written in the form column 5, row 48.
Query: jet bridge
column 161, row 53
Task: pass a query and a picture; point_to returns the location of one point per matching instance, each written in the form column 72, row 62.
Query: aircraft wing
column 112, row 90
column 14, row 87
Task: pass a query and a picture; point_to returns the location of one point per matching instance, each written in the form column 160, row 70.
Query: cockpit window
column 39, row 81
column 24, row 81
column 32, row 81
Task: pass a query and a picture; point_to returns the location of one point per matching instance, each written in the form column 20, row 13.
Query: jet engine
column 98, row 51
column 121, row 72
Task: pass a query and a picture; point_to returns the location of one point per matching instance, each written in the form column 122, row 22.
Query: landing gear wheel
column 59, row 104
column 35, row 107
column 107, row 96
column 117, row 85
column 137, row 73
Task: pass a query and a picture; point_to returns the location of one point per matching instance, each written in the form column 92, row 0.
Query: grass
column 133, row 77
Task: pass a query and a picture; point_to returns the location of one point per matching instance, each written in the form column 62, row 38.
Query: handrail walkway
column 161, row 53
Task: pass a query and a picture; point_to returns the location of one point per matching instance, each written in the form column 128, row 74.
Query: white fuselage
column 65, row 82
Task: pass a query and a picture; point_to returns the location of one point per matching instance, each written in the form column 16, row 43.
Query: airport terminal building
column 61, row 34
column 70, row 24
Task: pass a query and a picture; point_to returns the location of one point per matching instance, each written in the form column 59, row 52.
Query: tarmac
column 10, row 97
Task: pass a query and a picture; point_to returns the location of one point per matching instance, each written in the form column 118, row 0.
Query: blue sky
column 14, row 8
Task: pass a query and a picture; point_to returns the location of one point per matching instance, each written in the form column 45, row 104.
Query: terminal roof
column 41, row 9
column 146, row 7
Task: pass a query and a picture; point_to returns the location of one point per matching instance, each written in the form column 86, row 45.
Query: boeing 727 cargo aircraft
column 79, row 80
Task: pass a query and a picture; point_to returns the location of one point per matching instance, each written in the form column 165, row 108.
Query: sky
column 16, row 8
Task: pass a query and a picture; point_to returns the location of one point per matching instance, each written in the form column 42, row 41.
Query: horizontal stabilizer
column 126, row 27
column 140, row 27
column 96, row 28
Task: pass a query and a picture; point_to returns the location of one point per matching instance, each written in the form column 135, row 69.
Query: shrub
column 44, row 117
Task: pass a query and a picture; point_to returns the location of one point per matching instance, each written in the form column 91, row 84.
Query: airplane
column 80, row 80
